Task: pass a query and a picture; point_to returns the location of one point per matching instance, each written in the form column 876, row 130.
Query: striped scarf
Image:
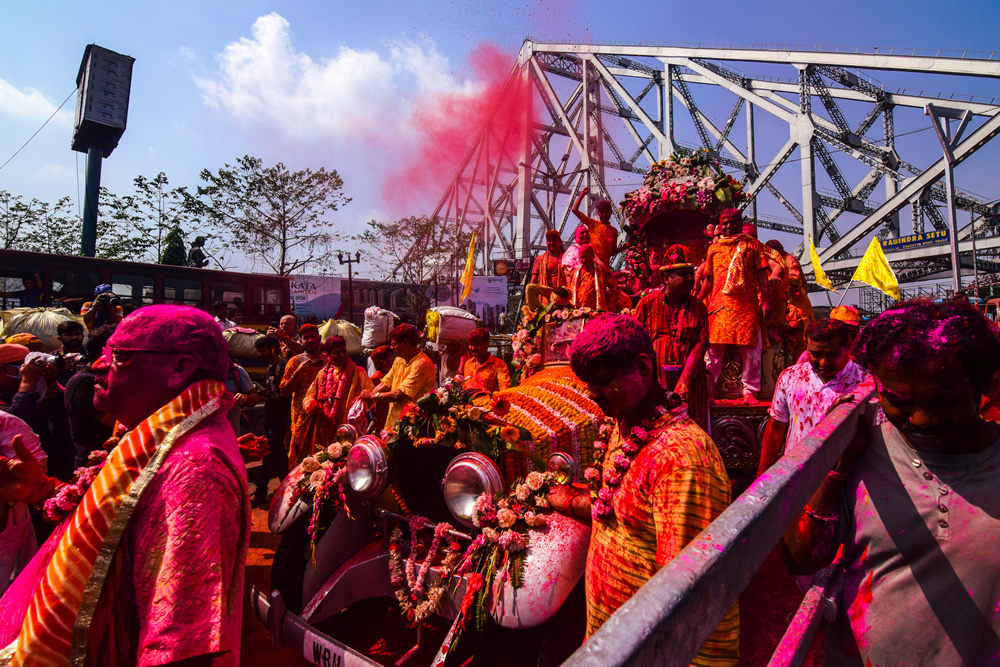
column 56, row 624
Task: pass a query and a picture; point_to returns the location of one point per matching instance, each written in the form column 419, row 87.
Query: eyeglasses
column 122, row 355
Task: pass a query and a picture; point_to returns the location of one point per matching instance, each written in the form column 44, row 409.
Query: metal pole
column 350, row 291
column 949, row 184
column 88, row 238
column 846, row 289
column 975, row 263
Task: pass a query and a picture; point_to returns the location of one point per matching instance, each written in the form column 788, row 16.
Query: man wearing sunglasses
column 153, row 555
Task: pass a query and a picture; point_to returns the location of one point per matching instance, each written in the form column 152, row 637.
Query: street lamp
column 350, row 280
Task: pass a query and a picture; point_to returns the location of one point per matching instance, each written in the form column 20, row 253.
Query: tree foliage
column 174, row 252
column 273, row 215
column 415, row 250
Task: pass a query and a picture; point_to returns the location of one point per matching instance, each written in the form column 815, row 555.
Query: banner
column 316, row 295
column 920, row 240
column 488, row 298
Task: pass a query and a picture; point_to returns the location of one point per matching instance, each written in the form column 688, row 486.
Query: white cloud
column 29, row 104
column 354, row 94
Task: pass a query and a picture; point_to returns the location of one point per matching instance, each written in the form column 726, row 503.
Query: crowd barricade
column 670, row 617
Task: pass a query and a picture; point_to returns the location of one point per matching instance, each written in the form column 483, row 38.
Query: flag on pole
column 470, row 265
column 821, row 278
column 874, row 269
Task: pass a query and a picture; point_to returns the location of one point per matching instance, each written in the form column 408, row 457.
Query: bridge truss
column 818, row 148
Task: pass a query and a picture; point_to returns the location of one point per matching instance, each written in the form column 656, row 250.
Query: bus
column 69, row 281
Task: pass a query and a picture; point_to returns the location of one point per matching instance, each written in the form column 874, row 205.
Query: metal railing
column 670, row 617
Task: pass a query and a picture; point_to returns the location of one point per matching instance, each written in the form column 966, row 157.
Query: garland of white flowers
column 537, row 422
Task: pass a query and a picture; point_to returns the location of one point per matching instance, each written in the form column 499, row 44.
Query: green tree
column 174, row 253
column 416, row 250
column 37, row 226
column 272, row 215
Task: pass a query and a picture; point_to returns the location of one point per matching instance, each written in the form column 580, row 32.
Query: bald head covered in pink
column 179, row 329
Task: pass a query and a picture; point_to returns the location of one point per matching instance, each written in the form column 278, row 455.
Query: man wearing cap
column 603, row 236
column 158, row 578
column 300, row 371
column 736, row 278
column 104, row 309
column 592, row 285
column 483, row 371
column 678, row 325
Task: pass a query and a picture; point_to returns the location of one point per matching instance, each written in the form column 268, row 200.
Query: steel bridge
column 818, row 149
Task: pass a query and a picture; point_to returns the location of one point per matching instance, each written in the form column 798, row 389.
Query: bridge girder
column 604, row 113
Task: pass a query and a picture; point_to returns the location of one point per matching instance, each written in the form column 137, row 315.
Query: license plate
column 327, row 653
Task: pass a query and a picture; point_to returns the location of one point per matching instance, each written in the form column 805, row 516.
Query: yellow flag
column 821, row 278
column 874, row 269
column 470, row 265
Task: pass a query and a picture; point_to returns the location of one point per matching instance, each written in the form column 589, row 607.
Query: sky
column 324, row 83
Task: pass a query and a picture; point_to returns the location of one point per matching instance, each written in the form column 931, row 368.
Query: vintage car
column 459, row 459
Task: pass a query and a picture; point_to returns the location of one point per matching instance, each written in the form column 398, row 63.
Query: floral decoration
column 322, row 483
column 685, row 180
column 527, row 348
column 448, row 417
column 604, row 485
column 63, row 503
column 410, row 578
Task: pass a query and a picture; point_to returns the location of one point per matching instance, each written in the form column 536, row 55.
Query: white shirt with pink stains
column 802, row 399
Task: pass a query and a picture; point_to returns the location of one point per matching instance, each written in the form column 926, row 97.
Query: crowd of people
column 134, row 435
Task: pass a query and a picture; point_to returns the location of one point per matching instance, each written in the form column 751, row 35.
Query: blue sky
column 328, row 83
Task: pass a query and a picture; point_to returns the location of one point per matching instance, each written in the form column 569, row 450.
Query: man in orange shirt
column 483, row 371
column 547, row 272
column 603, row 236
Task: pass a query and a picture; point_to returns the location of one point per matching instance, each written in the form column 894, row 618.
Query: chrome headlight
column 469, row 476
column 368, row 466
column 346, row 433
column 564, row 467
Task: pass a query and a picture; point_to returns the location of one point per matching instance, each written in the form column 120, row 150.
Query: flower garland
column 409, row 580
column 322, row 481
column 527, row 351
column 68, row 496
column 692, row 181
column 498, row 553
column 604, row 486
column 330, row 392
column 559, row 416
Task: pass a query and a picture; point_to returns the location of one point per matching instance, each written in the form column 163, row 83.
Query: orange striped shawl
column 55, row 627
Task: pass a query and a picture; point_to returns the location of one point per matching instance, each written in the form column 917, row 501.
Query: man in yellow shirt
column 483, row 371
column 412, row 375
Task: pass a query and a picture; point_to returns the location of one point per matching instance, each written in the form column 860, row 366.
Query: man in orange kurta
column 547, row 272
column 300, row 371
column 736, row 278
column 603, row 236
column 592, row 285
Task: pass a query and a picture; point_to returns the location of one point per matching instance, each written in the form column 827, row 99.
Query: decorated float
column 448, row 516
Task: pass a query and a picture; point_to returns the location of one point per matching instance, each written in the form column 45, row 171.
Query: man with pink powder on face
column 161, row 535
column 914, row 501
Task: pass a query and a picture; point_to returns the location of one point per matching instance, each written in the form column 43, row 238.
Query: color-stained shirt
column 921, row 539
column 490, row 376
column 603, row 237
column 802, row 399
column 176, row 588
column 734, row 306
column 415, row 378
column 594, row 288
column 675, row 487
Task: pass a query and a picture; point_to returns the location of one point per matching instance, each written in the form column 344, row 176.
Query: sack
column 41, row 322
column 351, row 333
column 378, row 324
column 357, row 416
column 450, row 325
column 242, row 342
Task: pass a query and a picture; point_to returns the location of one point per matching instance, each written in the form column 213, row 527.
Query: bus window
column 74, row 286
column 134, row 289
column 231, row 293
column 181, row 292
column 266, row 303
column 11, row 285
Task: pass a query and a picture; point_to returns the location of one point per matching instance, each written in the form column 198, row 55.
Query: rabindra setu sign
column 916, row 240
